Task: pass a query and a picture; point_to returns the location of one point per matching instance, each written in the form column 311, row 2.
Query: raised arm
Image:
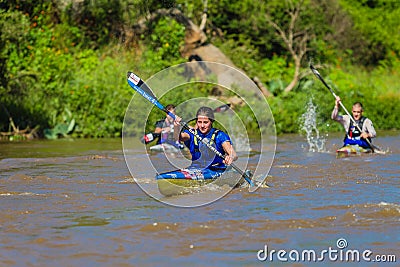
column 178, row 135
column 335, row 112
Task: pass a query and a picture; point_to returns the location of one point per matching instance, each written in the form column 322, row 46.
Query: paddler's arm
column 178, row 135
column 335, row 111
column 159, row 126
column 230, row 153
column 369, row 131
column 344, row 120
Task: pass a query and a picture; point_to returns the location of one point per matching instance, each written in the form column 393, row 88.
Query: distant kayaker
column 165, row 129
column 353, row 135
column 202, row 156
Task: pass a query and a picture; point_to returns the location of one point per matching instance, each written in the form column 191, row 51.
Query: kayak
column 188, row 180
column 352, row 150
column 165, row 147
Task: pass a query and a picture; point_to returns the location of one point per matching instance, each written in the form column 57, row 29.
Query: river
column 75, row 203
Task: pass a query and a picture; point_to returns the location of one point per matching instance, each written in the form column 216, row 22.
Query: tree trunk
column 195, row 47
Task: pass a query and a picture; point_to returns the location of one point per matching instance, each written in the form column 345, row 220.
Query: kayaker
column 353, row 135
column 202, row 156
column 165, row 128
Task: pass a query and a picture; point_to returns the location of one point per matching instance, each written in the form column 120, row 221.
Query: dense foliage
column 64, row 62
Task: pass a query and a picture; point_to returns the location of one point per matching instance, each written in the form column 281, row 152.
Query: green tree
column 101, row 21
column 69, row 62
column 376, row 23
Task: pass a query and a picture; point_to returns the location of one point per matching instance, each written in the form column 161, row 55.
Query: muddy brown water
column 75, row 203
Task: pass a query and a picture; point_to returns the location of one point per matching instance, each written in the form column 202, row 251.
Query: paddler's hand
column 230, row 158
column 365, row 135
column 177, row 120
column 337, row 102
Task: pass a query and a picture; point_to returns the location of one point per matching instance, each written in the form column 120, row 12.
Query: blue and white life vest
column 353, row 136
column 202, row 156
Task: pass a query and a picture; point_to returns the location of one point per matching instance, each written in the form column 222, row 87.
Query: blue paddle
column 150, row 137
column 141, row 87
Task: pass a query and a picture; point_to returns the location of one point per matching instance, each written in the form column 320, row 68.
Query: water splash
column 241, row 142
column 308, row 124
column 239, row 138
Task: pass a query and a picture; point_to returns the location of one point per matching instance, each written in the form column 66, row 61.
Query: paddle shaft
column 340, row 102
column 135, row 82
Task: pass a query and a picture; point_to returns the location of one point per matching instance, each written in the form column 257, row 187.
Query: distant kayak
column 352, row 150
column 165, row 147
column 184, row 181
